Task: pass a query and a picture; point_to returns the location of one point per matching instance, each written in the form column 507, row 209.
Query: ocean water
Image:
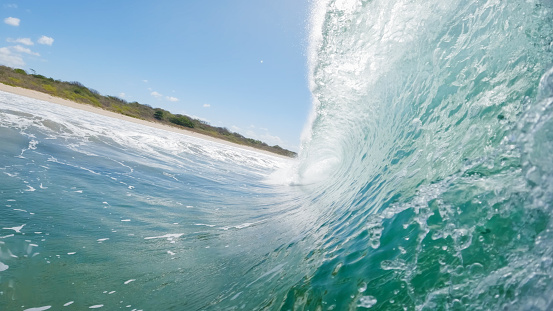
column 424, row 182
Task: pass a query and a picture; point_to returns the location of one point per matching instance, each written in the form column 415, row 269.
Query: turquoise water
column 98, row 211
column 424, row 182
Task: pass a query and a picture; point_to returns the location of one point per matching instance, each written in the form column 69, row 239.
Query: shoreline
column 64, row 102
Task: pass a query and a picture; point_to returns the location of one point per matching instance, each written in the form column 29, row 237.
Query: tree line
column 77, row 92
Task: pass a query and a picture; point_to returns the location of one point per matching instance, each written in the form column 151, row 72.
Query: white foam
column 166, row 236
column 16, row 229
column 240, row 226
column 160, row 143
column 244, row 225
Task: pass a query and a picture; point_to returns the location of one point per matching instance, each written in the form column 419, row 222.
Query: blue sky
column 234, row 63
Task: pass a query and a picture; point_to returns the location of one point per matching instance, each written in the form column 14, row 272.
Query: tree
column 158, row 114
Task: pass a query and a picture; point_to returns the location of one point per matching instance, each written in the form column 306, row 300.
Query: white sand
column 72, row 104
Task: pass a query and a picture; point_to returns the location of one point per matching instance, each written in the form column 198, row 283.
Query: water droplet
column 367, row 301
column 392, row 265
column 337, row 268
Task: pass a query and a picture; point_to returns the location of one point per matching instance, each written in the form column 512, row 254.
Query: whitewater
column 424, row 182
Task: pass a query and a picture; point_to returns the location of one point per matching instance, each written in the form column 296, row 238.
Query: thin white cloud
column 145, row 81
column 10, row 6
column 7, row 58
column 172, row 99
column 25, row 41
column 12, row 56
column 207, row 105
column 156, row 94
column 20, row 49
column 272, row 139
column 45, row 40
column 12, row 21
column 264, row 135
column 122, row 95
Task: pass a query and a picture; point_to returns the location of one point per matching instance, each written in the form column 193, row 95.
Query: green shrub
column 222, row 131
column 182, row 120
column 15, row 80
column 50, row 88
column 43, row 78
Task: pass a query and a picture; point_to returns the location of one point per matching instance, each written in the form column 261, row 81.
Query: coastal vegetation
column 77, row 92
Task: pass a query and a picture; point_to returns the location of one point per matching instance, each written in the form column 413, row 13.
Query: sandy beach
column 68, row 103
